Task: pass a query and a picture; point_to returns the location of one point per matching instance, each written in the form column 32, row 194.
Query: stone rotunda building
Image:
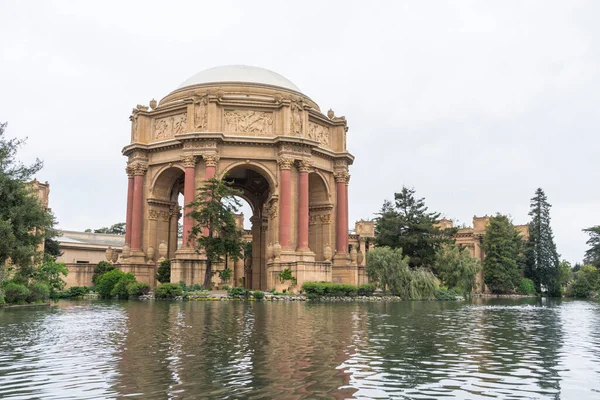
column 256, row 128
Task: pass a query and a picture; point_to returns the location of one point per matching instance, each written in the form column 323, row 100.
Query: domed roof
column 242, row 74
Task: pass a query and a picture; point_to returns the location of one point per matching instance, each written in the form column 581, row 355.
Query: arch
column 324, row 180
column 256, row 167
column 164, row 180
column 318, row 189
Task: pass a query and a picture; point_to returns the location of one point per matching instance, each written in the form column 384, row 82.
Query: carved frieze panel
column 204, row 144
column 248, row 121
column 318, row 133
column 296, row 118
column 201, row 114
column 167, row 127
column 295, row 148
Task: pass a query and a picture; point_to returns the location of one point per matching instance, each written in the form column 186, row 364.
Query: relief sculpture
column 201, row 115
column 166, row 128
column 249, row 121
column 319, row 133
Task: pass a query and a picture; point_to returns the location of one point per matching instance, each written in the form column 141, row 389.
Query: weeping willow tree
column 389, row 268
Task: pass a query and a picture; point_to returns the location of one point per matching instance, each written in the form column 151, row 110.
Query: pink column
column 285, row 201
column 129, row 215
column 303, row 169
column 341, row 218
column 189, row 189
column 138, row 207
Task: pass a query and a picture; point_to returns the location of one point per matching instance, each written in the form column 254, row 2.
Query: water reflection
column 497, row 349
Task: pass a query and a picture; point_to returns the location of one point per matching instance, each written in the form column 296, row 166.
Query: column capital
column 285, row 162
column 211, row 160
column 341, row 176
column 129, row 171
column 153, row 214
column 305, row 165
column 189, row 161
column 139, row 168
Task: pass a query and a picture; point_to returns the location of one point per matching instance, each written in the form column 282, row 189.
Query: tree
column 51, row 273
column 502, row 245
column 389, row 268
column 116, row 229
column 407, row 224
column 24, row 222
column 214, row 209
column 565, row 274
column 592, row 255
column 541, row 258
column 456, row 268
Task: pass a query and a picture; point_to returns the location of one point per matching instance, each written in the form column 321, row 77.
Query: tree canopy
column 456, row 268
column 214, row 209
column 24, row 222
column 502, row 245
column 541, row 258
column 407, row 224
column 115, row 229
column 592, row 255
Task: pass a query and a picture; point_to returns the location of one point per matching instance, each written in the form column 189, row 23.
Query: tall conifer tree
column 541, row 258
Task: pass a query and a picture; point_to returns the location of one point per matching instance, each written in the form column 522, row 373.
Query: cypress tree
column 502, row 245
column 541, row 258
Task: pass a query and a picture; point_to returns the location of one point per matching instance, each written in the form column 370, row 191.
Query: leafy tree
column 541, row 258
column 502, row 245
column 52, row 247
column 51, row 273
column 456, row 268
column 407, row 224
column 565, row 274
column 214, row 209
column 100, row 269
column 163, row 272
column 24, row 223
column 592, row 255
column 116, row 229
column 389, row 268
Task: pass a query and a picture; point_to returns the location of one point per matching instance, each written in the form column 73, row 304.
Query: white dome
column 240, row 73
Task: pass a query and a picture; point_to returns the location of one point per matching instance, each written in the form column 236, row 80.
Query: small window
column 81, row 262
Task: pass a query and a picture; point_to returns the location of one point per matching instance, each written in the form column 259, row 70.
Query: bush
column 366, row 289
column 238, row 292
column 258, row 295
column 101, row 268
column 77, row 291
column 38, row 292
column 526, row 286
column 107, row 281
column 15, row 293
column 286, row 275
column 225, row 275
column 581, row 287
column 327, row 289
column 168, row 291
column 2, row 301
column 138, row 289
column 163, row 272
column 120, row 289
column 445, row 294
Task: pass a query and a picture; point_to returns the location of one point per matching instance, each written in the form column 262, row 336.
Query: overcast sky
column 474, row 104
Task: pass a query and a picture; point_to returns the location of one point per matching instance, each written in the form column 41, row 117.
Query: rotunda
column 256, row 128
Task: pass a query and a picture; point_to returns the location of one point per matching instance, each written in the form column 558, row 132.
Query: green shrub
column 77, row 291
column 138, row 289
column 238, row 292
column 258, row 295
column 15, row 293
column 107, row 281
column 168, row 291
column 526, row 286
column 225, row 274
column 120, row 289
column 327, row 289
column 2, row 301
column 581, row 287
column 445, row 294
column 38, row 292
column 163, row 272
column 286, row 275
column 367, row 289
column 225, row 287
column 101, row 268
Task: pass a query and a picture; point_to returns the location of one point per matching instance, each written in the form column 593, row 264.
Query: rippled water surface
column 422, row 350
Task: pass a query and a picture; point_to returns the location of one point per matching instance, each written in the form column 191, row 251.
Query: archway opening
column 166, row 210
column 320, row 207
column 255, row 191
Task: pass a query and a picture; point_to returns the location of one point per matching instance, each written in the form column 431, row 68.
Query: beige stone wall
column 72, row 255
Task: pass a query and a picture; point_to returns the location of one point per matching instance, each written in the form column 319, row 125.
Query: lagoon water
column 525, row 349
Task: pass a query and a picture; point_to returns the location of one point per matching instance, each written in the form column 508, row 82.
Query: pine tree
column 592, row 255
column 541, row 258
column 407, row 224
column 502, row 245
column 214, row 209
column 24, row 223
